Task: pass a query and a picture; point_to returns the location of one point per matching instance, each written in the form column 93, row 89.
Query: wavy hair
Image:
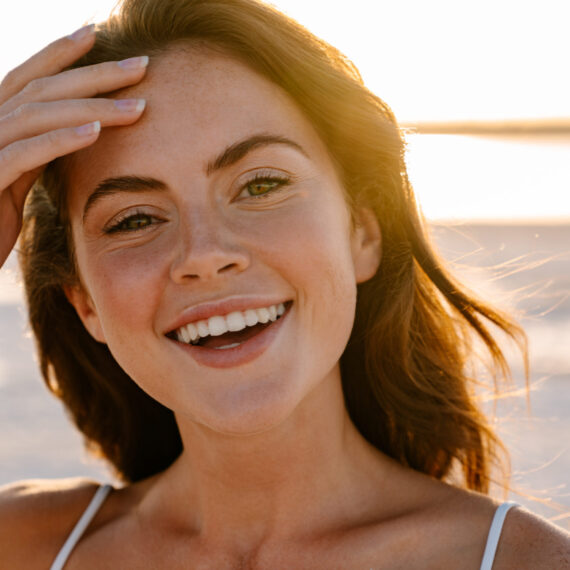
column 405, row 371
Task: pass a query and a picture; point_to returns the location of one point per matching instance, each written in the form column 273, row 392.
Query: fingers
column 41, row 78
column 25, row 155
column 81, row 82
column 45, row 104
column 33, row 119
column 46, row 113
column 51, row 60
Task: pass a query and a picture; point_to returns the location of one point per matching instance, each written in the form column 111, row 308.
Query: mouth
column 224, row 332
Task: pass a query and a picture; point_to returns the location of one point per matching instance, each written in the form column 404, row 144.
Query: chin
column 249, row 410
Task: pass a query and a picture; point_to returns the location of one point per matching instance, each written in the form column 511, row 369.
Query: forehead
column 198, row 102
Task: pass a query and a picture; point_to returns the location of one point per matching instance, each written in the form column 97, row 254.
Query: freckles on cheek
column 124, row 285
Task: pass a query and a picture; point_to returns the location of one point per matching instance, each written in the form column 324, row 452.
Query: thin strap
column 81, row 526
column 495, row 534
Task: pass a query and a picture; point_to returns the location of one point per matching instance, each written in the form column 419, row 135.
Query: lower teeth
column 227, row 346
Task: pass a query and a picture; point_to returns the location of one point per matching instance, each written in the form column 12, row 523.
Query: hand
column 46, row 113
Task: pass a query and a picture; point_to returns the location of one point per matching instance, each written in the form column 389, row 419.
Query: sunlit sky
column 430, row 60
column 427, row 59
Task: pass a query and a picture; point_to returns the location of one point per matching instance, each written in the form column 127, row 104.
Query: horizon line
column 511, row 127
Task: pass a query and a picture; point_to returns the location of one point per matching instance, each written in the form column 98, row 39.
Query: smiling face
column 215, row 247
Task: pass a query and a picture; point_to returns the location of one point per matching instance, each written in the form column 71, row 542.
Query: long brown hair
column 405, row 369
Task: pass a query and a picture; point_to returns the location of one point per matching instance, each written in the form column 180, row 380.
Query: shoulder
column 37, row 515
column 35, row 501
column 450, row 526
column 529, row 541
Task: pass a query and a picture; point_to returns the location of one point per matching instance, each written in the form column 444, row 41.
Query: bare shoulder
column 450, row 527
column 36, row 516
column 529, row 541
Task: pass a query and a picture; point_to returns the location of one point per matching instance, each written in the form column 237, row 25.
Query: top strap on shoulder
column 81, row 526
column 495, row 534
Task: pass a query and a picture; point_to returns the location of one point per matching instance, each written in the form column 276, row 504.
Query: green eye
column 132, row 223
column 259, row 187
column 264, row 185
column 135, row 222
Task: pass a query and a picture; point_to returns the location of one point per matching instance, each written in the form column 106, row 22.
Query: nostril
column 227, row 267
column 223, row 269
column 197, row 263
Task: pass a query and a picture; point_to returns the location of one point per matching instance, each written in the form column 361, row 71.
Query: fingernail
column 130, row 105
column 134, row 62
column 82, row 33
column 88, row 129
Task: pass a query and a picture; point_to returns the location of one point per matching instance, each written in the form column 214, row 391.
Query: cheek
column 317, row 241
column 312, row 249
column 124, row 286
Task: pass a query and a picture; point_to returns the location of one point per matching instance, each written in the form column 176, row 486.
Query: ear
column 366, row 244
column 85, row 309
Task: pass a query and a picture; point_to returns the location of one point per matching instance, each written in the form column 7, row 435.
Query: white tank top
column 102, row 492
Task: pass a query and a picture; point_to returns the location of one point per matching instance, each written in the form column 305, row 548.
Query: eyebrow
column 229, row 156
column 238, row 150
column 121, row 184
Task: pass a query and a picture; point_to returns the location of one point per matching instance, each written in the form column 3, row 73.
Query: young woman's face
column 221, row 200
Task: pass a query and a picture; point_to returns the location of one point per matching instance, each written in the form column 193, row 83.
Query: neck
column 296, row 478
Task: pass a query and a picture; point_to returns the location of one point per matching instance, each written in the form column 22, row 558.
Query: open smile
column 226, row 340
column 228, row 331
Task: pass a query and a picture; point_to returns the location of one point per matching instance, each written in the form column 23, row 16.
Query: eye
column 132, row 223
column 263, row 185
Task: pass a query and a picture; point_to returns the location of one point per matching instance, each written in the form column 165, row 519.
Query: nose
column 206, row 250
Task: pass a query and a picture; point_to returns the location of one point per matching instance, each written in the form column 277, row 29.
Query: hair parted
column 405, row 369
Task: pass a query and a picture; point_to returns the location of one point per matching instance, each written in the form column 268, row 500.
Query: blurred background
column 483, row 93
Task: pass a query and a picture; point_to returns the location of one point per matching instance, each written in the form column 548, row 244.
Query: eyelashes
column 261, row 186
column 132, row 222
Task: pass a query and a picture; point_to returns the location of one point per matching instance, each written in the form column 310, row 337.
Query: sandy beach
column 524, row 267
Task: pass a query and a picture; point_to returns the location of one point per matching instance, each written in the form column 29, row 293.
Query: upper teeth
column 236, row 321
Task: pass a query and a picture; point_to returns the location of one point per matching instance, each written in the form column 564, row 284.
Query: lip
column 204, row 311
column 244, row 353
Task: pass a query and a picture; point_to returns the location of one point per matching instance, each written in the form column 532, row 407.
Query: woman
column 233, row 295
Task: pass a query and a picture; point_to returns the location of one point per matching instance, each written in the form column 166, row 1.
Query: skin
column 273, row 473
column 208, row 240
